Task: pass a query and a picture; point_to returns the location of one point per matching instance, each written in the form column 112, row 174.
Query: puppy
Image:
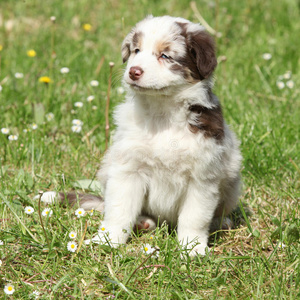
column 173, row 157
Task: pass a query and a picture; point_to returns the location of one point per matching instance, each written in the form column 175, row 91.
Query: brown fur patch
column 137, row 40
column 162, row 47
column 200, row 56
column 208, row 120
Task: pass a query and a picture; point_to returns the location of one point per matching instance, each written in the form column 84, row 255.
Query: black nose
column 135, row 73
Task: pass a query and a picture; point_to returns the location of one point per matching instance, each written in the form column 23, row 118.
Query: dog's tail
column 85, row 201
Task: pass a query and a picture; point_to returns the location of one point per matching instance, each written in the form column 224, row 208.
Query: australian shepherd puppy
column 173, row 158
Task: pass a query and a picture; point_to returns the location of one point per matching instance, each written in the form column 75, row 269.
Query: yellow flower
column 45, row 79
column 1, row 47
column 31, row 53
column 87, row 27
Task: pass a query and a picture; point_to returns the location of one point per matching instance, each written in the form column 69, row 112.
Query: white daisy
column 0, row 262
column 148, row 249
column 287, row 75
column 290, row 84
column 94, row 83
column 12, row 137
column 5, row 130
column 267, row 56
column 102, row 237
column 64, row 70
column 49, row 116
column 19, row 75
column 78, row 104
column 53, row 19
column 280, row 84
column 90, row 98
column 34, row 126
column 36, row 294
column 47, row 212
column 76, row 128
column 94, row 107
column 77, row 122
column 120, row 90
column 80, row 212
column 281, row 245
column 1, row 243
column 72, row 246
column 29, row 210
column 9, row 289
column 72, row 235
column 0, row 88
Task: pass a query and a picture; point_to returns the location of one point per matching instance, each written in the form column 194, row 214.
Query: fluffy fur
column 173, row 157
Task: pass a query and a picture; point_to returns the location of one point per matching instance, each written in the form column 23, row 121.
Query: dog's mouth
column 150, row 89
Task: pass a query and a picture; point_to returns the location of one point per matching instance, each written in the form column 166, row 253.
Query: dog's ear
column 126, row 47
column 201, row 48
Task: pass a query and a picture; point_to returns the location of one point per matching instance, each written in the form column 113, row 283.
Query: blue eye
column 136, row 51
column 164, row 56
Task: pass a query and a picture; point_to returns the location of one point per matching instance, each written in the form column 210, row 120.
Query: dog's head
column 164, row 52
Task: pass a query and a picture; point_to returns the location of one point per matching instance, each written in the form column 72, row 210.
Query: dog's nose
column 135, row 73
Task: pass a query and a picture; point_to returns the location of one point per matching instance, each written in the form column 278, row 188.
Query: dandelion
column 5, row 130
column 9, row 289
column 49, row 116
column 34, row 126
column 120, row 90
column 77, row 122
column 1, row 47
column 90, row 98
column 87, row 27
column 78, row 104
column 45, row 79
column 64, row 70
column 12, row 137
column 290, row 84
column 76, row 128
column 80, row 212
column 47, row 212
column 29, row 210
column 267, row 56
column 72, row 246
column 72, row 235
column 280, row 84
column 19, row 75
column 31, row 53
column 94, row 83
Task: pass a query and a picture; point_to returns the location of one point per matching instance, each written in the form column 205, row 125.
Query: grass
column 259, row 259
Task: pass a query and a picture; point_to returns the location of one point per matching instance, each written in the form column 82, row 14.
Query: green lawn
column 259, row 259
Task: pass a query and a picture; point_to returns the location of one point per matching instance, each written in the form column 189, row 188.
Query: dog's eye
column 164, row 56
column 136, row 51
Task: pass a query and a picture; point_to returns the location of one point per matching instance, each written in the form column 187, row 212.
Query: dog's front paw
column 199, row 249
column 195, row 248
column 108, row 236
